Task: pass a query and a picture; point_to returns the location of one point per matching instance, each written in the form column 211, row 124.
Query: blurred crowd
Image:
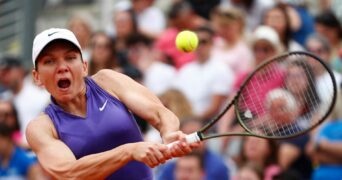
column 234, row 37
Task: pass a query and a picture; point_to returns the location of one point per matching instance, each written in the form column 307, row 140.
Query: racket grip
column 190, row 138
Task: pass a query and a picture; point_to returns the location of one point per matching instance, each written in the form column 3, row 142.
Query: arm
column 59, row 162
column 329, row 152
column 140, row 101
column 287, row 154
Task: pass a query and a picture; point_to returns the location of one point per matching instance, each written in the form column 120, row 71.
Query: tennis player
column 88, row 131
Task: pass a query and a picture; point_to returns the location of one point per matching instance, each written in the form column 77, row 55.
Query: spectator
column 300, row 81
column 318, row 45
column 179, row 15
column 205, row 82
column 102, row 53
column 265, row 43
column 325, row 146
column 250, row 171
column 214, row 165
column 230, row 46
column 151, row 20
column 125, row 24
column 283, row 108
column 9, row 116
column 327, row 24
column 15, row 162
column 254, row 10
column 176, row 102
column 190, row 167
column 156, row 75
column 22, row 92
column 81, row 24
column 262, row 152
column 279, row 19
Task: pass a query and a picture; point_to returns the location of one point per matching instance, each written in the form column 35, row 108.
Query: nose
column 62, row 67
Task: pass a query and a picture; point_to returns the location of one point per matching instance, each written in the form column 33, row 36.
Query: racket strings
column 266, row 92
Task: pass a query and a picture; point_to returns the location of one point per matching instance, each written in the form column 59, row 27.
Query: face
column 315, row 47
column 80, row 29
column 296, row 80
column 263, row 50
column 61, row 71
column 188, row 168
column 227, row 29
column 280, row 111
column 11, row 77
column 7, row 114
column 123, row 23
column 204, row 46
column 101, row 49
column 276, row 19
column 331, row 34
column 256, row 149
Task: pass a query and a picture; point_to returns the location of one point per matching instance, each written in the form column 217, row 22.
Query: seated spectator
column 16, row 163
column 190, row 167
column 206, row 82
column 22, row 91
column 102, row 53
column 262, row 152
column 156, row 75
column 179, row 15
column 250, row 171
column 9, row 116
column 214, row 165
column 279, row 19
column 81, row 24
column 328, row 25
column 229, row 46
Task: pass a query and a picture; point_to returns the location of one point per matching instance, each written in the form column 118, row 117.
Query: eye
column 48, row 61
column 70, row 57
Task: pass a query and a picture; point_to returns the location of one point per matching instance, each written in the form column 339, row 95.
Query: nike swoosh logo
column 103, row 106
column 52, row 33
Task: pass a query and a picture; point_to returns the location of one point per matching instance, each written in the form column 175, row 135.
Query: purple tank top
column 107, row 125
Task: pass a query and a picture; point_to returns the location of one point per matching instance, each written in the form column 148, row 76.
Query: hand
column 179, row 145
column 152, row 154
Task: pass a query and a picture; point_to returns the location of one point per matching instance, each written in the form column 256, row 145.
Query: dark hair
column 206, row 29
column 138, row 38
column 272, row 157
column 110, row 63
column 329, row 19
column 177, row 8
column 5, row 131
column 311, row 93
column 288, row 32
column 8, row 61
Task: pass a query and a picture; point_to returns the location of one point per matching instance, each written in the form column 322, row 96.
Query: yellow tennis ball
column 186, row 41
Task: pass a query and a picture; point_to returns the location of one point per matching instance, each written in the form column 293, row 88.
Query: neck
column 77, row 105
column 5, row 154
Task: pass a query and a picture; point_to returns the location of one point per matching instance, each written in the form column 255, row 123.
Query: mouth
column 64, row 83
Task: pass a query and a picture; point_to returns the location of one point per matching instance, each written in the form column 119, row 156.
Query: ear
column 36, row 78
column 85, row 68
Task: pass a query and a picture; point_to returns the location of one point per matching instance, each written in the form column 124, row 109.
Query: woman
column 103, row 53
column 88, row 130
column 279, row 19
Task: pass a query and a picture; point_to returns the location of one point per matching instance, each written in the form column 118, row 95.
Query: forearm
column 167, row 122
column 95, row 166
column 334, row 149
column 325, row 158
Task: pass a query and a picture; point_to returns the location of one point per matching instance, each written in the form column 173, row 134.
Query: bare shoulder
column 113, row 82
column 40, row 128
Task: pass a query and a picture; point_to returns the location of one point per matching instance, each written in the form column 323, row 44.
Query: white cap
column 49, row 35
column 268, row 34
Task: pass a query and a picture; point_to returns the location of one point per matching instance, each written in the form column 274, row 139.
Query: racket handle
column 190, row 138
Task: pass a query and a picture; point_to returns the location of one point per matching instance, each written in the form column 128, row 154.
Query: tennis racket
column 266, row 104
